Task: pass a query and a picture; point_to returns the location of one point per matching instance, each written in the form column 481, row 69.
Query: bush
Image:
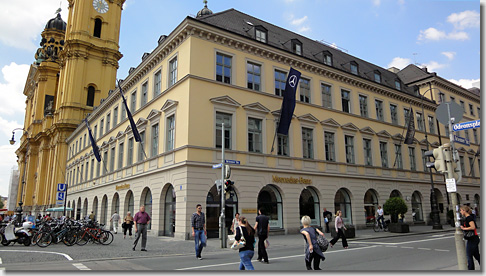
column 394, row 206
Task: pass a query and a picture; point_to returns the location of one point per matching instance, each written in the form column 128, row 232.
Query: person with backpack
column 313, row 251
column 327, row 219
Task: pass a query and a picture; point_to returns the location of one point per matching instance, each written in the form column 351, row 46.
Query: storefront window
column 309, row 205
column 170, row 204
column 147, row 202
column 129, row 203
column 417, row 213
column 270, row 201
column 104, row 209
column 342, row 201
column 213, row 211
column 370, row 205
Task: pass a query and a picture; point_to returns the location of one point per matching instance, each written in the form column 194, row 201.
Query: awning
column 58, row 209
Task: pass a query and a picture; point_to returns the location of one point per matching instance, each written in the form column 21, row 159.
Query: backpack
column 322, row 242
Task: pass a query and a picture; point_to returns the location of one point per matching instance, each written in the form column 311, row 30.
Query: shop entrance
column 213, row 210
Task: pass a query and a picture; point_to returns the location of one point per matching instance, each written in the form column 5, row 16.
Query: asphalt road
column 430, row 252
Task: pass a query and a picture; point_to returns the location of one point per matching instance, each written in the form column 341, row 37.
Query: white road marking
column 435, row 236
column 391, row 246
column 420, row 248
column 278, row 258
column 406, row 247
column 81, row 267
column 33, row 251
column 442, row 250
column 1, row 261
column 399, row 243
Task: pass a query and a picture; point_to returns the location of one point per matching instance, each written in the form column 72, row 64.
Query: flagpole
column 401, row 139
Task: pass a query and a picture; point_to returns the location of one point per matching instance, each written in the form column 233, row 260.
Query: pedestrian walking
column 141, row 220
column 262, row 228
column 198, row 224
column 312, row 250
column 472, row 246
column 127, row 225
column 235, row 223
column 327, row 219
column 115, row 218
column 340, row 228
column 248, row 251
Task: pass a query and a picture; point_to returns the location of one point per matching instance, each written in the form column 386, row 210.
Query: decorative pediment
column 384, row 134
column 415, row 141
column 423, row 142
column 145, row 55
column 168, row 105
column 104, row 145
column 435, row 144
column 120, row 135
column 154, row 114
column 112, row 140
column 367, row 130
column 141, row 122
column 308, row 118
column 461, row 149
column 225, row 100
column 471, row 151
column 258, row 107
column 398, row 137
column 276, row 113
column 330, row 123
column 350, row 126
column 128, row 129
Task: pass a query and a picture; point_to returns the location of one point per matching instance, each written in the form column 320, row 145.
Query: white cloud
column 304, row 29
column 458, row 36
column 464, row 20
column 11, row 96
column 449, row 55
column 400, row 63
column 432, row 66
column 298, row 21
column 7, row 127
column 466, row 83
column 377, row 2
column 7, row 162
column 436, row 35
column 22, row 21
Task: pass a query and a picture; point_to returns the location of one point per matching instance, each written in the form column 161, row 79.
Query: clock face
column 100, row 6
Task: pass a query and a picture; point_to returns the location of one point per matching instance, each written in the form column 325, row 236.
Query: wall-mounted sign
column 291, row 180
column 249, row 211
column 122, row 187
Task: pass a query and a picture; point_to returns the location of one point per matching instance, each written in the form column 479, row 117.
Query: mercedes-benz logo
column 293, row 81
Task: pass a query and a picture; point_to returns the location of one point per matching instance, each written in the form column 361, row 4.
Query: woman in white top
column 235, row 223
column 339, row 225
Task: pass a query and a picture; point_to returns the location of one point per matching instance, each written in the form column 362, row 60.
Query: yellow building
column 344, row 150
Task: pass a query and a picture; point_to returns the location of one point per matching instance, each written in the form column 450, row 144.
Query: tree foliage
column 394, row 206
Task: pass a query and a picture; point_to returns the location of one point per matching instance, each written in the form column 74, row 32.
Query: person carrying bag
column 244, row 242
column 471, row 236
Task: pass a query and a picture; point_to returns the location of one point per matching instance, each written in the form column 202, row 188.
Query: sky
column 443, row 35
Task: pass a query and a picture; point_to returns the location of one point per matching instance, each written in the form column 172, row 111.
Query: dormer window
column 261, row 34
column 328, row 59
column 297, row 47
column 398, row 85
column 354, row 68
column 377, row 76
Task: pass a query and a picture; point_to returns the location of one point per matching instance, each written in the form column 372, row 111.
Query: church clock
column 100, row 6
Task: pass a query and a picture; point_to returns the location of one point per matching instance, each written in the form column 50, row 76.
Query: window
column 171, row 132
column 102, row 125
column 108, row 121
column 130, row 152
column 305, row 92
column 368, row 154
column 261, row 34
column 398, row 85
column 95, row 132
column 379, row 110
column 466, row 134
column 349, row 149
column 326, row 95
column 115, row 116
column 120, row 155
column 431, row 125
column 329, row 146
column 398, row 156
column 91, row 171
column 411, row 155
column 98, row 169
column 280, row 80
column 377, row 77
column 97, row 27
column 133, row 103
column 463, row 105
column 296, row 47
column 223, row 68
column 473, row 174
column 307, row 143
column 384, row 154
column 441, row 97
column 479, row 112
column 354, row 68
column 453, row 99
column 84, row 141
column 157, row 83
column 143, row 99
column 253, row 76
column 283, row 144
column 86, row 171
column 254, row 135
column 90, row 97
column 141, row 147
column 425, row 159
column 81, row 174
column 394, row 114
column 105, row 157
column 155, row 140
column 112, row 159
column 346, row 101
column 406, row 115
column 463, row 166
column 471, row 110
column 363, row 105
column 123, row 112
column 420, row 121
column 226, row 119
column 475, row 135
column 172, row 71
column 328, row 58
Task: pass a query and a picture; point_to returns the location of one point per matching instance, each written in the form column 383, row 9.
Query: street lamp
column 12, row 142
column 433, row 199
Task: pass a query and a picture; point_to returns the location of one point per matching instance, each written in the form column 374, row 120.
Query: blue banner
column 288, row 103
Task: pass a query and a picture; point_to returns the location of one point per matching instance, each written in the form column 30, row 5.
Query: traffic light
column 227, row 171
column 439, row 164
column 456, row 167
column 228, row 184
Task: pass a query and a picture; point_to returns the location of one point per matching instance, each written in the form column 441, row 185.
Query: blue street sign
column 217, row 166
column 59, row 203
column 60, row 195
column 466, row 125
column 234, row 162
column 61, row 187
column 461, row 140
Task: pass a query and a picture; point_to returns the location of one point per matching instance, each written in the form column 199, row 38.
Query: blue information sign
column 61, row 187
column 461, row 140
column 466, row 125
column 235, row 162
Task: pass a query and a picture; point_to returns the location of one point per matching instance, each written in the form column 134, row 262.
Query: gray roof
column 412, row 73
column 244, row 25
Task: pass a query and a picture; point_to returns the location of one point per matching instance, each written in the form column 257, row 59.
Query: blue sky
column 442, row 35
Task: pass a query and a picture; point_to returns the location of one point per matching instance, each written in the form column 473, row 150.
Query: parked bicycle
column 378, row 227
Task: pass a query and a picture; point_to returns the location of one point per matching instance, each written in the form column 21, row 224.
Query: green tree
column 394, row 206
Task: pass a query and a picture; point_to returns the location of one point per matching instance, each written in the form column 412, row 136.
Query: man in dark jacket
column 262, row 228
column 327, row 218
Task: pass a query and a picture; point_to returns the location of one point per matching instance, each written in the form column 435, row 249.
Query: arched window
column 342, row 201
column 417, row 213
column 309, row 205
column 91, row 96
column 95, row 208
column 169, row 219
column 370, row 205
column 130, row 203
column 104, row 210
column 97, row 27
column 270, row 200
column 85, row 208
column 147, row 202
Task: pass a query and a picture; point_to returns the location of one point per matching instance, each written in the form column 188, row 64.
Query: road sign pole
column 460, row 247
column 222, row 227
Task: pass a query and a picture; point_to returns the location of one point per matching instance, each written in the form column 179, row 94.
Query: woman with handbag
column 127, row 225
column 312, row 249
column 471, row 235
column 246, row 232
column 339, row 225
column 235, row 223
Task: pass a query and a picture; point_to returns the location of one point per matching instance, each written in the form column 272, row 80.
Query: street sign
column 60, row 195
column 61, row 187
column 466, row 125
column 461, row 140
column 234, row 162
column 217, row 166
column 59, row 203
column 451, row 185
column 442, row 113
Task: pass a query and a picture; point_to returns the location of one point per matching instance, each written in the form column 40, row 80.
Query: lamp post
column 12, row 142
column 433, row 199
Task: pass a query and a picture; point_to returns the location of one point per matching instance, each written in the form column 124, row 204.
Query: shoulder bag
column 322, row 242
column 241, row 243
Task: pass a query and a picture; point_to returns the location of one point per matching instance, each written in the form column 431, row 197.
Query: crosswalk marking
column 81, row 267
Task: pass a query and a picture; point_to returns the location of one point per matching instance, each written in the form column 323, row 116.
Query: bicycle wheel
column 43, row 239
column 376, row 227
column 106, row 237
column 83, row 238
column 69, row 238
